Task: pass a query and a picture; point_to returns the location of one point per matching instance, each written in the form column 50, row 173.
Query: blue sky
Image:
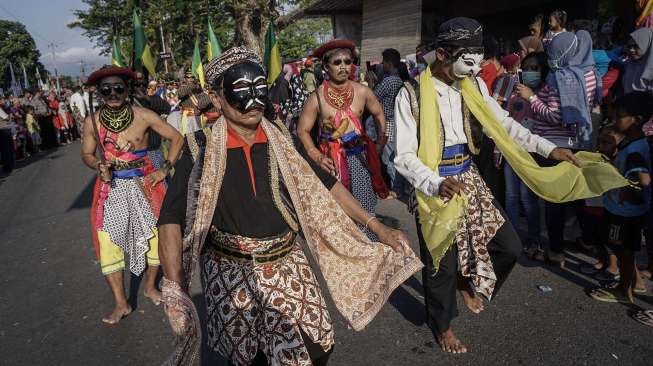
column 46, row 21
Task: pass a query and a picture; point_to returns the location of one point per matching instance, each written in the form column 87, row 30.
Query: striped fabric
column 546, row 107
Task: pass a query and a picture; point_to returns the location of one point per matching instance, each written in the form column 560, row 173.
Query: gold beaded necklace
column 116, row 119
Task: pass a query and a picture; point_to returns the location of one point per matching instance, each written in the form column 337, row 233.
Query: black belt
column 273, row 253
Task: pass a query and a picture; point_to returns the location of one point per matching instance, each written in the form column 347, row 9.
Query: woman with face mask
column 562, row 113
column 533, row 72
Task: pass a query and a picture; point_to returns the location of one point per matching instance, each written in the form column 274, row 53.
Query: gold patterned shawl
column 360, row 275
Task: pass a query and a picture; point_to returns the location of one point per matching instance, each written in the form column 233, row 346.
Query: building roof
column 467, row 8
column 328, row 7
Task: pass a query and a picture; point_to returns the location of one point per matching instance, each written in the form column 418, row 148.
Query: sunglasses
column 117, row 88
column 339, row 61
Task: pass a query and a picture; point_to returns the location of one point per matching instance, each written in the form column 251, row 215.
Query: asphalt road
column 53, row 296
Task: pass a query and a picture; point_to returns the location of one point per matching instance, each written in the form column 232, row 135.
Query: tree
column 18, row 47
column 242, row 22
column 300, row 37
column 179, row 20
column 67, row 81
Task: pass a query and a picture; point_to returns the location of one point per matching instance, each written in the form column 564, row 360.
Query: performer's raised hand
column 104, row 170
column 390, row 237
column 450, row 187
column 322, row 160
column 561, row 154
column 156, row 176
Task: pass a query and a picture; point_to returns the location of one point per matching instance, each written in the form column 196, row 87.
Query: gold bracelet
column 368, row 221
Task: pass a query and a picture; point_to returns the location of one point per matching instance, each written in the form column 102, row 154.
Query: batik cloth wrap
column 359, row 274
column 339, row 145
column 441, row 219
column 261, row 304
column 128, row 207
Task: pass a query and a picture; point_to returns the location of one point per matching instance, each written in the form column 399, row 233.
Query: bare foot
column 473, row 302
column 118, row 313
column 154, row 295
column 449, row 343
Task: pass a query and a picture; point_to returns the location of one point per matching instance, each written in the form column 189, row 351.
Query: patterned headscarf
column 217, row 67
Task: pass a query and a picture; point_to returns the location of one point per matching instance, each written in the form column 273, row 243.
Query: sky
column 46, row 21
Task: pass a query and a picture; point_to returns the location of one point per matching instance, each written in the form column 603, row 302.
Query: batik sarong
column 124, row 211
column 478, row 227
column 261, row 304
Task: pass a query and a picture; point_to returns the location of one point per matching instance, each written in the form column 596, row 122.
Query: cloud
column 68, row 60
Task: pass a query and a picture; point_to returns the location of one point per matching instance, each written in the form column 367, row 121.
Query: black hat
column 460, row 32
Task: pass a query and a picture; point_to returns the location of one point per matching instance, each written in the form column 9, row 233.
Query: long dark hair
column 561, row 17
column 403, row 71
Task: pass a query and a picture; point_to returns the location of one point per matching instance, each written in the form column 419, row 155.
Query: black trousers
column 48, row 132
column 7, row 153
column 440, row 287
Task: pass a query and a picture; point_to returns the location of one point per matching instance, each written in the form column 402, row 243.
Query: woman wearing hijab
column 638, row 72
column 638, row 76
column 562, row 113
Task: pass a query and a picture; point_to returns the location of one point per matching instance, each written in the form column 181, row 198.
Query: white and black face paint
column 245, row 86
column 467, row 64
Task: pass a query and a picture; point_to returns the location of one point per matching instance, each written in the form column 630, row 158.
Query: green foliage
column 179, row 20
column 300, row 37
column 183, row 20
column 18, row 47
column 67, row 82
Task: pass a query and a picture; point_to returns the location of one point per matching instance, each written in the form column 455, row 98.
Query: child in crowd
column 33, row 128
column 626, row 209
column 504, row 86
column 606, row 268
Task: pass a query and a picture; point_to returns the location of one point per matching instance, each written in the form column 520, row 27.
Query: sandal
column 604, row 295
column 589, row 269
column 644, row 316
column 613, row 285
column 607, row 276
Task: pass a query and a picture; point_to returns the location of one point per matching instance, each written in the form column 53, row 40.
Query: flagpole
column 163, row 47
column 54, row 61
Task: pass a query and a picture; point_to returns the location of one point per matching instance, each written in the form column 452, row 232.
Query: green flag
column 272, row 57
column 116, row 54
column 142, row 54
column 198, row 69
column 213, row 49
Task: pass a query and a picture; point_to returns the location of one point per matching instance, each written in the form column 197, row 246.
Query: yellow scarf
column 564, row 182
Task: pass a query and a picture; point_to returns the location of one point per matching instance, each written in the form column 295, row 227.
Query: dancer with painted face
column 240, row 195
column 129, row 190
column 465, row 241
column 344, row 149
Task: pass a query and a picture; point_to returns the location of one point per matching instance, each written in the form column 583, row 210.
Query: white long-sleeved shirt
column 450, row 104
column 77, row 100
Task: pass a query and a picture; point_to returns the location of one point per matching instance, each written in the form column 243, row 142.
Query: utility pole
column 52, row 46
column 82, row 74
column 163, row 47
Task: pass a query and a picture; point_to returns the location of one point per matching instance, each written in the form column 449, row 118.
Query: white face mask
column 467, row 64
